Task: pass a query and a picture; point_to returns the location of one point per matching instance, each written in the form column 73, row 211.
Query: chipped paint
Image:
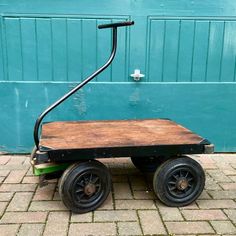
column 79, row 102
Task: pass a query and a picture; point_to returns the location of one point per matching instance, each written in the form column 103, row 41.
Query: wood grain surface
column 120, row 133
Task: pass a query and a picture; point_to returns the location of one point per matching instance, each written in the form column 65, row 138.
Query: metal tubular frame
column 79, row 86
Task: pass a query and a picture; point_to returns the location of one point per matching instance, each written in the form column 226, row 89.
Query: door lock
column 137, row 75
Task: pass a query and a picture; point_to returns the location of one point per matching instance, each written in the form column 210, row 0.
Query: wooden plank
column 123, row 133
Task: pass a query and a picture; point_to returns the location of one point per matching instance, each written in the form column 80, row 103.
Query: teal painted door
column 186, row 49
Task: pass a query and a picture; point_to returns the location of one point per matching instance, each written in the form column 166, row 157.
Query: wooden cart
column 72, row 149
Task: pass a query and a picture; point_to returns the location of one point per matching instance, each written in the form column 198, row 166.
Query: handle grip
column 118, row 24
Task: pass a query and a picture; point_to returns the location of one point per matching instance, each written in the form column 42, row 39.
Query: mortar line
column 139, row 222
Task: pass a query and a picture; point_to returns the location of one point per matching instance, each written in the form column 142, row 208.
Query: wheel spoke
column 176, row 177
column 172, row 188
column 81, row 196
column 87, row 177
column 95, row 180
column 189, row 179
column 79, row 190
column 90, row 178
column 172, row 182
column 80, row 183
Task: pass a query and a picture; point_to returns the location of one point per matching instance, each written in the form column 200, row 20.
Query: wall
column 186, row 49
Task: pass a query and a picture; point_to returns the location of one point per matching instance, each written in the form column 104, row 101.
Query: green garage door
column 185, row 49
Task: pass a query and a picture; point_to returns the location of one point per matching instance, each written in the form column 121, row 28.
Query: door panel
column 185, row 50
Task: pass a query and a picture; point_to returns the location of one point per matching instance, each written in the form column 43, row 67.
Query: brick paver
column 170, row 214
column 219, row 176
column 4, row 160
column 223, row 227
column 4, row 173
column 3, row 206
column 24, row 217
column 45, row 193
column 47, row 206
column 233, row 177
column 30, row 180
column 108, row 204
column 31, row 229
column 93, row 229
column 122, row 191
column 129, row 228
column 18, row 187
column 151, row 222
column 215, row 204
column 81, row 218
column 9, row 230
column 57, row 223
column 204, row 215
column 221, row 194
column 130, row 209
column 228, row 186
column 121, row 215
column 231, row 214
column 5, row 197
column 20, row 201
column 143, row 194
column 135, row 204
column 15, row 176
column 189, row 228
column 204, row 195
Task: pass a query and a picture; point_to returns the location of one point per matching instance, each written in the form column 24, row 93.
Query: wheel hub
column 182, row 184
column 89, row 189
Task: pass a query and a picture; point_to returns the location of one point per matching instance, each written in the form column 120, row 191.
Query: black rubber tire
column 71, row 186
column 167, row 181
column 147, row 164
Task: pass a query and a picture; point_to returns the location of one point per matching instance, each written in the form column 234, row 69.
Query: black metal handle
column 118, row 24
column 79, row 86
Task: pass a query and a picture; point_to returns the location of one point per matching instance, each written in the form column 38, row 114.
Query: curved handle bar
column 79, row 86
column 118, row 24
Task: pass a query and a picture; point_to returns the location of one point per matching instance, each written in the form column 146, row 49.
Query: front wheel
column 85, row 186
column 179, row 182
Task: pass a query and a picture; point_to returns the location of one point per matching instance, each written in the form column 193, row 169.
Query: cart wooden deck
column 93, row 139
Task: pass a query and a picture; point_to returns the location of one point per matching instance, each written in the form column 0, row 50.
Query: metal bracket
column 137, row 75
column 41, row 157
column 208, row 149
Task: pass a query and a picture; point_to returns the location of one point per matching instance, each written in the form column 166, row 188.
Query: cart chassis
column 46, row 162
column 84, row 186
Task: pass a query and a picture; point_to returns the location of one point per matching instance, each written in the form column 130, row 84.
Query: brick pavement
column 131, row 208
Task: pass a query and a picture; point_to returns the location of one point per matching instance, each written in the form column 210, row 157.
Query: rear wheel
column 85, row 186
column 147, row 164
column 179, row 182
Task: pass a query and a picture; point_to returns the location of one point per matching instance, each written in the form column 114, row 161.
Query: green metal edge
column 48, row 168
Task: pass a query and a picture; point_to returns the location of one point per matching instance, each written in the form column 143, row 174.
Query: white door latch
column 137, row 75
